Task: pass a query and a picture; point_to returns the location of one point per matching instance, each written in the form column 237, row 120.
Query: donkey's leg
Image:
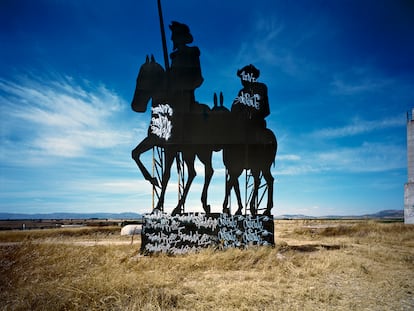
column 256, row 179
column 205, row 158
column 232, row 182
column 189, row 159
column 169, row 158
column 226, row 195
column 238, row 196
column 269, row 181
column 142, row 147
column 229, row 185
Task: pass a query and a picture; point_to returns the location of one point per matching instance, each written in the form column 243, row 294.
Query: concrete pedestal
column 163, row 233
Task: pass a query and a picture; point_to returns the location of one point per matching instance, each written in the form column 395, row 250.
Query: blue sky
column 340, row 76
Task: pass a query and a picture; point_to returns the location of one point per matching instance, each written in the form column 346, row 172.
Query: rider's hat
column 180, row 33
column 250, row 71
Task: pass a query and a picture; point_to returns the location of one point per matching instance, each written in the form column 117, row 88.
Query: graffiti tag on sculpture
column 179, row 234
column 239, row 231
column 161, row 125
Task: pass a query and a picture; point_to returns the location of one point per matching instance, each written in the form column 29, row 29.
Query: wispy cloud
column 288, row 157
column 358, row 80
column 344, row 87
column 369, row 157
column 262, row 45
column 59, row 116
column 366, row 158
column 359, row 126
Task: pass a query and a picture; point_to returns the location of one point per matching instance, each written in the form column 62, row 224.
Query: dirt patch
column 307, row 248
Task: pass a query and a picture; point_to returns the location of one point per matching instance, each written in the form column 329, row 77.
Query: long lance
column 178, row 159
column 164, row 42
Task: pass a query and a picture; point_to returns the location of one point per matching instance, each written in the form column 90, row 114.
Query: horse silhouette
column 180, row 129
column 198, row 131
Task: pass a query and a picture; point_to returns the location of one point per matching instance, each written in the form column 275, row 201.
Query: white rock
column 131, row 230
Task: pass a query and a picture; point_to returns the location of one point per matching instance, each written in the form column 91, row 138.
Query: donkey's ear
column 147, row 59
column 152, row 59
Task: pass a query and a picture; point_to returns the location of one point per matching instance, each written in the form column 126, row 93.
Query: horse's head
column 150, row 83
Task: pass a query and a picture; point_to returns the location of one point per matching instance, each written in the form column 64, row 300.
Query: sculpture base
column 163, row 233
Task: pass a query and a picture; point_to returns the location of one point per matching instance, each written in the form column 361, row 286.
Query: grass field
column 316, row 265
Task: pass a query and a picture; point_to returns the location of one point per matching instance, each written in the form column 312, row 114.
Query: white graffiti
column 228, row 221
column 172, row 239
column 249, row 100
column 163, row 109
column 163, row 248
column 170, row 234
column 161, row 121
column 201, row 221
column 230, row 238
column 247, row 77
column 254, row 237
column 162, row 221
column 196, row 238
column 166, row 224
column 253, row 224
column 187, row 233
column 236, row 231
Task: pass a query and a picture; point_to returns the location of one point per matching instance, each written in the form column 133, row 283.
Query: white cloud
column 369, row 157
column 359, row 126
column 109, row 187
column 60, row 117
column 263, row 45
column 356, row 87
column 288, row 157
column 358, row 80
column 366, row 158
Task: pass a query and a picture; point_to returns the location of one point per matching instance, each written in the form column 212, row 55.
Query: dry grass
column 61, row 233
column 315, row 266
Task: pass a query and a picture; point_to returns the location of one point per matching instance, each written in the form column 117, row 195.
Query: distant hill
column 387, row 214
column 379, row 215
column 130, row 215
column 294, row 216
column 15, row 216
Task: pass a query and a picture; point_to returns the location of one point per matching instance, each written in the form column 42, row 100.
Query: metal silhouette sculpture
column 176, row 117
column 258, row 152
column 180, row 124
column 173, row 128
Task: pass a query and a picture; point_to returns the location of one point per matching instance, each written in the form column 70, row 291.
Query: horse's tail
column 275, row 144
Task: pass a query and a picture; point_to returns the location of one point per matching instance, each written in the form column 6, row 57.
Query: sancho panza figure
column 252, row 101
column 185, row 73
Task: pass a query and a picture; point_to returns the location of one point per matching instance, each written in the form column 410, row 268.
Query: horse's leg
column 189, row 158
column 256, row 179
column 269, row 181
column 205, row 158
column 169, row 158
column 142, row 147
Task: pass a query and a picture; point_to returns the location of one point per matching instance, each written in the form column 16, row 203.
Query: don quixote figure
column 181, row 124
column 178, row 121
